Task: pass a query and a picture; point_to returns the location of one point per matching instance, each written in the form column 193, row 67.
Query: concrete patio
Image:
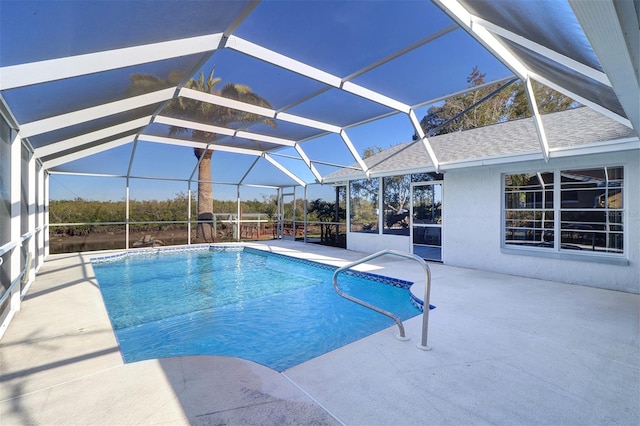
column 505, row 350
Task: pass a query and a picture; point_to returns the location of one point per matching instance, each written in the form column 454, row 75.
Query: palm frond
column 175, row 77
column 145, row 83
column 204, row 112
column 175, row 130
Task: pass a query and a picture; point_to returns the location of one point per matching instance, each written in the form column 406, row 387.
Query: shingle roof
column 570, row 128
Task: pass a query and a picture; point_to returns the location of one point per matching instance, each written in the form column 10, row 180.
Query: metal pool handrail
column 425, row 309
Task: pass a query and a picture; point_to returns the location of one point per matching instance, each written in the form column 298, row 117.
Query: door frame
column 286, row 232
column 440, row 225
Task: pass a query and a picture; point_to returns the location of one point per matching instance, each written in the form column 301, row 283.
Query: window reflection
column 327, row 215
column 396, row 200
column 364, row 209
column 586, row 210
column 591, row 209
column 529, row 216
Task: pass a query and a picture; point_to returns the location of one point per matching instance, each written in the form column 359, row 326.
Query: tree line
column 79, row 210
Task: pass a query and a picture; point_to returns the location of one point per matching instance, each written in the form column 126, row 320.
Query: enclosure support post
column 189, row 213
column 126, row 217
column 304, row 201
column 239, row 213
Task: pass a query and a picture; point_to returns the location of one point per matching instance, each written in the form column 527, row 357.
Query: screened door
column 287, row 226
column 426, row 220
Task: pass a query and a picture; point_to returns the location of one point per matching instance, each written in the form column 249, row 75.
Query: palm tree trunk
column 204, row 230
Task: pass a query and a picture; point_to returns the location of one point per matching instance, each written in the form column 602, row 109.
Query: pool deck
column 505, row 350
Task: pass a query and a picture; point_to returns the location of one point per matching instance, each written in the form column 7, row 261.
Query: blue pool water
column 246, row 303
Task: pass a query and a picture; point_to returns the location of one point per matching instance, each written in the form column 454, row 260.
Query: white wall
column 371, row 243
column 472, row 225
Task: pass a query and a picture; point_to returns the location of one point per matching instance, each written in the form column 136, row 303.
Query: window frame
column 557, row 251
column 370, row 224
column 579, row 221
column 402, row 183
column 530, row 196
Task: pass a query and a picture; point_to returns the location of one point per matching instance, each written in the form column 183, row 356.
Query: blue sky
column 337, row 37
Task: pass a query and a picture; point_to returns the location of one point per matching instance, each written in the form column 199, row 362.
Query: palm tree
column 190, row 109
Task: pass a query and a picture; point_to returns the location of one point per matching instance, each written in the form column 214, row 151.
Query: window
column 529, row 209
column 327, row 215
column 396, row 191
column 364, row 210
column 566, row 210
column 591, row 209
column 426, row 177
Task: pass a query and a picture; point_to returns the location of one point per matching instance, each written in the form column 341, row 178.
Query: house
column 585, row 232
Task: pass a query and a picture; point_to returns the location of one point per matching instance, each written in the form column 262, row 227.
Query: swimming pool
column 243, row 302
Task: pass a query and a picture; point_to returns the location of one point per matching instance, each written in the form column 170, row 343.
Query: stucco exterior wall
column 472, row 223
column 472, row 227
column 371, row 243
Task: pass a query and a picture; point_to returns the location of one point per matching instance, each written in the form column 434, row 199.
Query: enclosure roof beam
column 373, row 96
column 194, row 144
column 476, row 28
column 428, row 39
column 267, row 55
column 425, row 141
column 579, row 67
column 264, row 138
column 76, row 155
column 254, row 109
column 537, row 120
column 196, row 167
column 284, row 170
column 249, row 170
column 290, row 64
column 15, row 76
column 87, row 138
column 354, row 152
column 434, row 131
column 303, row 121
column 93, row 113
column 226, row 102
column 466, row 20
column 326, row 163
column 308, row 162
column 612, row 28
column 187, row 124
column 591, row 16
column 222, row 130
column 584, row 101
